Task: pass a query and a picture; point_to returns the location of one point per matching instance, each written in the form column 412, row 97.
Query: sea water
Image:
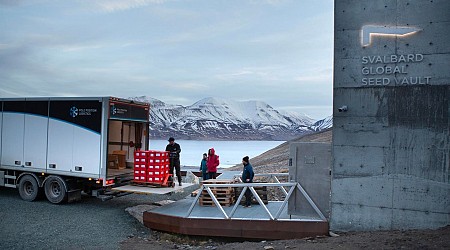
column 230, row 152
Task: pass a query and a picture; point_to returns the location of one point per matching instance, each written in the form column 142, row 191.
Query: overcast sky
column 177, row 51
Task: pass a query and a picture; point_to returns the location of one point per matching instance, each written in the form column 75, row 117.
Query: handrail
column 271, row 176
column 291, row 185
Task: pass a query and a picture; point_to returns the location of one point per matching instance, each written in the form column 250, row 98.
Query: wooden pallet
column 218, row 181
column 152, row 184
column 228, row 191
column 223, row 201
column 224, row 195
column 206, row 196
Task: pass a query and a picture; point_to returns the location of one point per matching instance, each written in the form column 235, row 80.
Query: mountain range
column 224, row 119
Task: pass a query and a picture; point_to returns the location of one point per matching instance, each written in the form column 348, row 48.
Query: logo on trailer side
column 73, row 112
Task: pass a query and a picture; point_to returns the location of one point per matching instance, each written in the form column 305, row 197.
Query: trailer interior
column 124, row 137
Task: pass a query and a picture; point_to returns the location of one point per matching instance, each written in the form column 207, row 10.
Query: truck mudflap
column 73, row 195
column 111, row 194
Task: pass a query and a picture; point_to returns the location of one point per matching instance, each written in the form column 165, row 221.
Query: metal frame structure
column 272, row 224
column 272, row 176
column 291, row 185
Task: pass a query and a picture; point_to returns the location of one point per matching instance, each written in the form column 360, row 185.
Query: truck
column 62, row 146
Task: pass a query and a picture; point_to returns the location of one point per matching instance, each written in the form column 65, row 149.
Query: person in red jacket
column 212, row 162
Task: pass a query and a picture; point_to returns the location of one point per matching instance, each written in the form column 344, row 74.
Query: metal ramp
column 263, row 221
column 152, row 189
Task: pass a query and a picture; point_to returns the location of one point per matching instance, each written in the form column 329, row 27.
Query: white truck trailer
column 62, row 146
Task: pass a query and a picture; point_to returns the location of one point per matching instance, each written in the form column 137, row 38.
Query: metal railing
column 291, row 186
column 271, row 177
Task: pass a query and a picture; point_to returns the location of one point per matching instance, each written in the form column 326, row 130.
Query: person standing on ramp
column 174, row 157
column 212, row 162
column 247, row 177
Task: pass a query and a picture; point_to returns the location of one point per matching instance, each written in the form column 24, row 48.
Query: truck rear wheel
column 28, row 188
column 55, row 189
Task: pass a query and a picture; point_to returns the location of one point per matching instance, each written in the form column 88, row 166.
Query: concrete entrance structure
column 391, row 131
column 310, row 165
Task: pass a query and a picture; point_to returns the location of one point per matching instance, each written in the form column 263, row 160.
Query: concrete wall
column 391, row 148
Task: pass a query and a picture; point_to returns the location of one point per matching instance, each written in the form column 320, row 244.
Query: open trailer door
column 128, row 125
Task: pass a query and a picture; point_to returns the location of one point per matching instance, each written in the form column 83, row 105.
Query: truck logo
column 118, row 110
column 113, row 110
column 368, row 31
column 73, row 112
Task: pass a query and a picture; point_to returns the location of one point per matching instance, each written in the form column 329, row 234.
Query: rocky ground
column 412, row 239
column 276, row 160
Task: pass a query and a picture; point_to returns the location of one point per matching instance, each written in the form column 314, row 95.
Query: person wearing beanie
column 174, row 158
column 247, row 177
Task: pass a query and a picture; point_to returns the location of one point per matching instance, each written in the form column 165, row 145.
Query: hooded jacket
column 212, row 161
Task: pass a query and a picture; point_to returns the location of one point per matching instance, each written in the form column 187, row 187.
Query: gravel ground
column 94, row 224
column 86, row 224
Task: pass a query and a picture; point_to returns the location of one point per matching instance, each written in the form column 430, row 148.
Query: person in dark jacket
column 204, row 168
column 174, row 157
column 247, row 177
column 212, row 162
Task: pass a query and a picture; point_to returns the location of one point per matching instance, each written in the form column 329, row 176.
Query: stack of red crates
column 151, row 166
column 140, row 166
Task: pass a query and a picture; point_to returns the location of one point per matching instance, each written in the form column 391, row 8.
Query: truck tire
column 55, row 189
column 28, row 188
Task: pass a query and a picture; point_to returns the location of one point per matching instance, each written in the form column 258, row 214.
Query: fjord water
column 230, row 152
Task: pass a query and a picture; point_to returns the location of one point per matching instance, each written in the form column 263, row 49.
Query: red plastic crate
column 140, row 160
column 141, row 154
column 151, row 166
column 157, row 173
column 140, row 178
column 158, row 154
column 154, row 179
column 140, row 172
column 158, row 167
column 139, row 175
column 140, row 166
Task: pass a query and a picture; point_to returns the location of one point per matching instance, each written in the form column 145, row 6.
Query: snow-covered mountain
column 223, row 119
column 323, row 124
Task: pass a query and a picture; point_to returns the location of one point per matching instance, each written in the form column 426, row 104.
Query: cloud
column 15, row 3
column 77, row 47
column 257, row 73
column 270, row 2
column 173, row 50
column 4, row 46
column 121, row 5
column 319, row 75
column 10, row 3
column 191, row 86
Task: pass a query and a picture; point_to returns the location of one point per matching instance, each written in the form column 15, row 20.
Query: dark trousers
column 205, row 176
column 248, row 197
column 212, row 175
column 175, row 163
